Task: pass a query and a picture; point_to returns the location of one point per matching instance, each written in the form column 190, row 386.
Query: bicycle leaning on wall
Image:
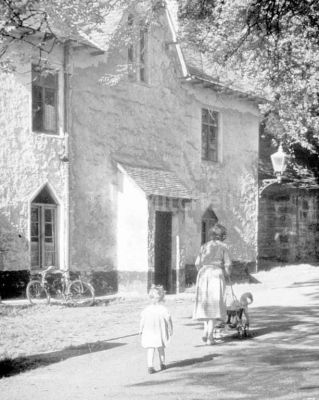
column 55, row 283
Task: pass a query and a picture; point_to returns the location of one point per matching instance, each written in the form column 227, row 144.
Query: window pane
column 142, row 74
column 37, row 108
column 36, row 75
column 212, row 133
column 48, row 215
column 34, row 232
column 49, row 80
column 48, row 232
column 209, row 134
column 142, row 46
column 130, row 54
column 204, row 141
column 204, row 115
column 34, row 215
column 142, row 55
column 34, row 224
column 50, row 110
column 212, row 155
column 213, row 118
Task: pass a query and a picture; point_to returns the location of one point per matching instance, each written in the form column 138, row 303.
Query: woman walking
column 212, row 263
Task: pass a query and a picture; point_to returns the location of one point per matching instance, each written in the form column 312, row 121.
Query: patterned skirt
column 210, row 300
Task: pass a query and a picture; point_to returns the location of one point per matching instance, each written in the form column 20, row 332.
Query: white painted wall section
column 132, row 225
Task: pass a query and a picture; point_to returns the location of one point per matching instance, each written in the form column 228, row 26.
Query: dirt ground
column 53, row 352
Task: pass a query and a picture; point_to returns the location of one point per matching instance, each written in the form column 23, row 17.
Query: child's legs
column 210, row 327
column 205, row 330
column 161, row 353
column 150, row 356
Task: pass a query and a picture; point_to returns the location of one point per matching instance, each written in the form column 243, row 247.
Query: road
column 280, row 361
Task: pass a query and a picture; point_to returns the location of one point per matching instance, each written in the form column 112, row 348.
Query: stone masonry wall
column 157, row 124
column 289, row 226
column 28, row 160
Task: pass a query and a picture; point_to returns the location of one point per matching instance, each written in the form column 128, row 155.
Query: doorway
column 43, row 230
column 163, row 249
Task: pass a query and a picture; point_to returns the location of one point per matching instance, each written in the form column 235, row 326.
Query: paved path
column 281, row 361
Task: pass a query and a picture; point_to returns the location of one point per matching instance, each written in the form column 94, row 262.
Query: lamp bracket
column 266, row 183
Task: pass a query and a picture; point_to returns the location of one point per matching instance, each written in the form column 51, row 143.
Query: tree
column 275, row 45
column 50, row 22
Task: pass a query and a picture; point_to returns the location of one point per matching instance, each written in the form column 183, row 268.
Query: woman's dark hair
column 217, row 232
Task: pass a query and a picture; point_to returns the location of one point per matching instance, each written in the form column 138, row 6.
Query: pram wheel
column 240, row 332
column 246, row 332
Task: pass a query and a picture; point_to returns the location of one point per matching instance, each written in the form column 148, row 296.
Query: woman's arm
column 227, row 262
column 170, row 322
column 198, row 262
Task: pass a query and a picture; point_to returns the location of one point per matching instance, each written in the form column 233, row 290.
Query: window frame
column 211, row 124
column 137, row 52
column 41, row 207
column 44, row 88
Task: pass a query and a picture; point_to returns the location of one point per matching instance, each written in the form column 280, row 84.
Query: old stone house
column 117, row 160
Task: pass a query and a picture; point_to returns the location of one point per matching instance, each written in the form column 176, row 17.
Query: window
column 209, row 135
column 43, row 230
column 137, row 52
column 142, row 55
column 44, row 101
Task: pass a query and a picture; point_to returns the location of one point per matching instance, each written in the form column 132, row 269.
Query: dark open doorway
column 163, row 250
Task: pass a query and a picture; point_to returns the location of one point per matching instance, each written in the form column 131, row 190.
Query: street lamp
column 279, row 164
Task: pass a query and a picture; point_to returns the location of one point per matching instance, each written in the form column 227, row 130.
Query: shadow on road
column 273, row 362
column 9, row 367
column 191, row 361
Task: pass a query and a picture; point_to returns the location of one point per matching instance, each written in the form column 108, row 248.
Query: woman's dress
column 210, row 299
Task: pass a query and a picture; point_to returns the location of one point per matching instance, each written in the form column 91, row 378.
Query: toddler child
column 156, row 327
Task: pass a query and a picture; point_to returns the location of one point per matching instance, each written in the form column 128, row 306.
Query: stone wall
column 157, row 125
column 288, row 226
column 28, row 160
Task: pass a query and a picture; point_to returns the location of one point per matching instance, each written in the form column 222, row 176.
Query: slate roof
column 160, row 182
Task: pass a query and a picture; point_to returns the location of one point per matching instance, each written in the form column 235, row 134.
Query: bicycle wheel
column 37, row 294
column 81, row 293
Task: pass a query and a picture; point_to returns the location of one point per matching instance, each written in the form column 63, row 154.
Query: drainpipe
column 67, row 101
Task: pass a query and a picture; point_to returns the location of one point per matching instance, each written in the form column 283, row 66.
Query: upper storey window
column 209, row 135
column 137, row 51
column 44, row 101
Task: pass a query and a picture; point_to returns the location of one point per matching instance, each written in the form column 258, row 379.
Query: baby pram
column 237, row 312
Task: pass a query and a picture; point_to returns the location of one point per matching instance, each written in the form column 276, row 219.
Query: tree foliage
column 275, row 45
column 51, row 21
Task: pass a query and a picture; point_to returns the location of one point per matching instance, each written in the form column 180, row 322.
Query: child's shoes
column 210, row 340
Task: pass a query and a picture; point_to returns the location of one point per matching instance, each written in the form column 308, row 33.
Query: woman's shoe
column 163, row 366
column 204, row 339
column 151, row 370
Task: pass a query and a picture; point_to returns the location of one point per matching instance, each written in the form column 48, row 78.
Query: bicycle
column 40, row 291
